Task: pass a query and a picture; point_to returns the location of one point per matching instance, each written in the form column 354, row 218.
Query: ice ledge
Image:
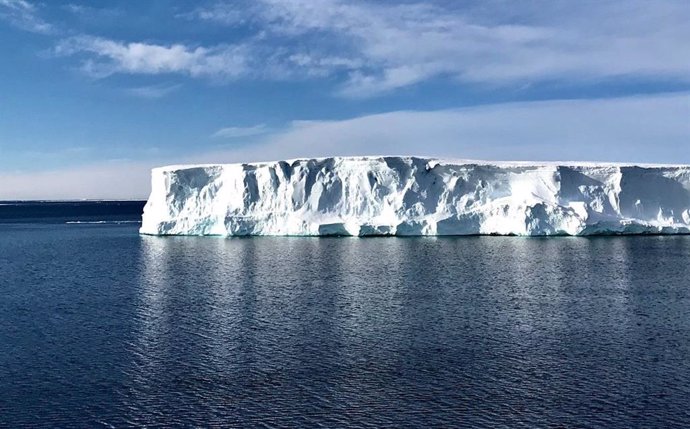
column 362, row 196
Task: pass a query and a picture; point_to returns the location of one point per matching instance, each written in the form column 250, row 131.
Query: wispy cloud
column 91, row 12
column 637, row 129
column 24, row 15
column 235, row 13
column 152, row 91
column 409, row 43
column 376, row 47
column 644, row 129
column 388, row 46
column 235, row 132
column 106, row 57
column 251, row 59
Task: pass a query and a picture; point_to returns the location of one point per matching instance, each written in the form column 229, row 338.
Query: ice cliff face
column 416, row 196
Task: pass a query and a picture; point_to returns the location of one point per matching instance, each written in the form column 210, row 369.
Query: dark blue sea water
column 102, row 327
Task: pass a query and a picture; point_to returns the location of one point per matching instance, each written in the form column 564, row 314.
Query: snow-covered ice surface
column 363, row 196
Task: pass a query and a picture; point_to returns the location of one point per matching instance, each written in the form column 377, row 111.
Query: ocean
column 100, row 326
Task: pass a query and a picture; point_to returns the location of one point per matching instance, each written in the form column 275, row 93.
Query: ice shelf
column 392, row 195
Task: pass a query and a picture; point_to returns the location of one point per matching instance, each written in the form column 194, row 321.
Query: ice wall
column 362, row 196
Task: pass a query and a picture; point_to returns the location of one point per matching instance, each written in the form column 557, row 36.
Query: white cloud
column 235, row 132
column 91, row 12
column 376, row 47
column 642, row 129
column 234, row 13
column 108, row 57
column 152, row 91
column 635, row 129
column 389, row 46
column 24, row 15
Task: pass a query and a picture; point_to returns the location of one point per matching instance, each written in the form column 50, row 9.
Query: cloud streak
column 374, row 47
column 24, row 15
column 400, row 45
column 236, row 132
column 643, row 129
column 104, row 57
column 635, row 129
column 152, row 92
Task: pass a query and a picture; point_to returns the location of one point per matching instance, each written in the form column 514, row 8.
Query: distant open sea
column 102, row 327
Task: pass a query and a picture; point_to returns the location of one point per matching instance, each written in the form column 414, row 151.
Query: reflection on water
column 476, row 331
column 385, row 331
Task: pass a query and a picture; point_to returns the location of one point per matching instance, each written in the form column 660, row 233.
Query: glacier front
column 362, row 196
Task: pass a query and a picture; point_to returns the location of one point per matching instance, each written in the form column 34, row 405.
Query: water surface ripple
column 99, row 326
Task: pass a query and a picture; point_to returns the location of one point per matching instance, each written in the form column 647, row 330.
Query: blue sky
column 93, row 94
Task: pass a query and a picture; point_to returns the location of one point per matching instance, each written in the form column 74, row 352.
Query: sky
column 94, row 94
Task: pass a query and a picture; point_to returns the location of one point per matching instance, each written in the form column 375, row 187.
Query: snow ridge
column 362, row 196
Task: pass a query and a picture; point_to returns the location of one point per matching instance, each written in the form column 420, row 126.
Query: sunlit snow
column 362, row 196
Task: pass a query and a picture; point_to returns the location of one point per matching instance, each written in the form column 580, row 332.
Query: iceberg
column 403, row 196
